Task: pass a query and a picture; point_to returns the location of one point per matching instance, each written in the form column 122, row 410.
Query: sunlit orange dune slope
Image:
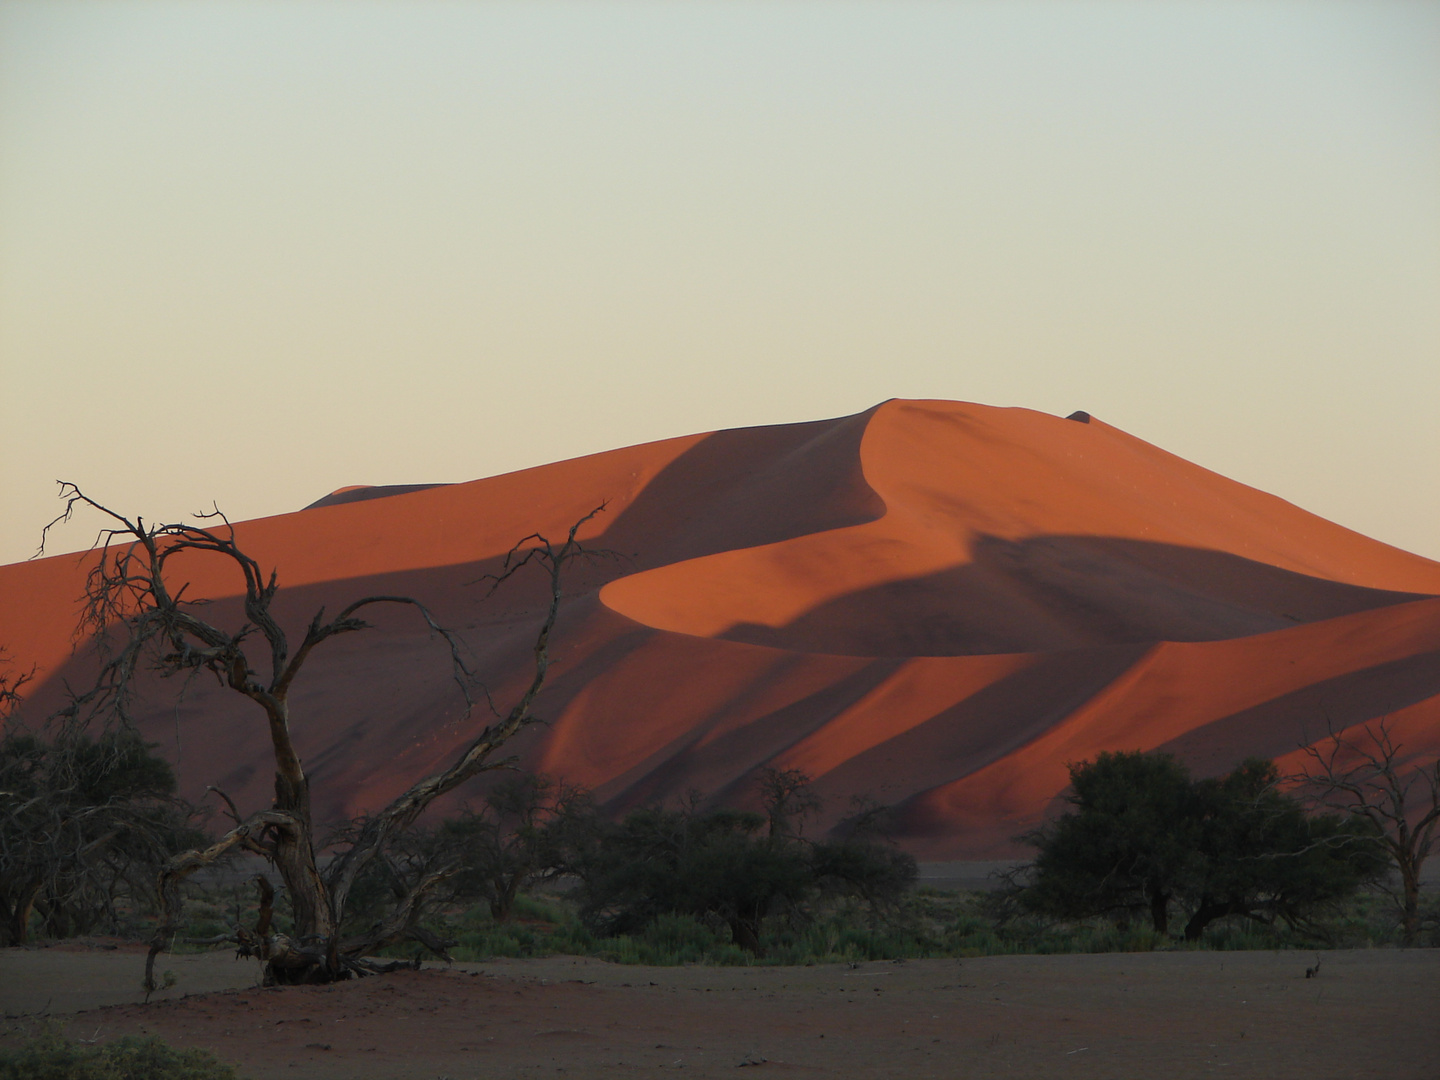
column 933, row 604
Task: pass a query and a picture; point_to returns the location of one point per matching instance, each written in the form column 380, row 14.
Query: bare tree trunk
column 746, row 933
column 1160, row 910
column 293, row 849
column 127, row 590
column 1409, row 904
column 17, row 923
column 1208, row 912
column 504, row 902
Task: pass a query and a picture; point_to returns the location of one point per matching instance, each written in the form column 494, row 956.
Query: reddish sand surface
column 934, row 604
column 1185, row 1014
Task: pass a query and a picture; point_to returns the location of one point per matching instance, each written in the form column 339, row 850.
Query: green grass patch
column 929, row 924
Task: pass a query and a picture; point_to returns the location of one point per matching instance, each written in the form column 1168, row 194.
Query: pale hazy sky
column 252, row 252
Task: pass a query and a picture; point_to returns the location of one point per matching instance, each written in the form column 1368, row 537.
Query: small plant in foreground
column 50, row 1056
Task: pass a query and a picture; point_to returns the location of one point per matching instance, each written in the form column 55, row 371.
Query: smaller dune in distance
column 934, row 604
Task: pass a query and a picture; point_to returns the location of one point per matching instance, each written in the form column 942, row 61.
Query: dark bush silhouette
column 736, row 867
column 487, row 856
column 859, row 859
column 84, row 823
column 1260, row 856
column 1124, row 849
column 1143, row 837
column 720, row 864
column 516, row 838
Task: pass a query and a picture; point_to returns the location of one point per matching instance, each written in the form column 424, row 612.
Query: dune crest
column 1007, row 530
column 931, row 603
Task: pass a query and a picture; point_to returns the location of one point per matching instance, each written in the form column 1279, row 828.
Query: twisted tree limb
column 248, row 836
column 1365, row 775
column 133, row 614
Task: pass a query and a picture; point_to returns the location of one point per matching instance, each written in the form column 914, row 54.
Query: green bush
column 51, row 1056
column 723, row 868
column 86, row 825
column 1144, row 838
column 926, row 924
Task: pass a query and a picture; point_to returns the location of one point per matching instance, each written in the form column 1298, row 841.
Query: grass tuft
column 51, row 1056
column 929, row 924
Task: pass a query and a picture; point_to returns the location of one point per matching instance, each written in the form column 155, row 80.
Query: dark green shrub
column 1260, row 856
column 730, row 868
column 1123, row 849
column 1144, row 837
column 51, row 1056
column 877, row 873
column 85, row 825
column 718, row 864
column 512, row 841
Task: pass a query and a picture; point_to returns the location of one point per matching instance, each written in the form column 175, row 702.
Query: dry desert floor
column 1367, row 1013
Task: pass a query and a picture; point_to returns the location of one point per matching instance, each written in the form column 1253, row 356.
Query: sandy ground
column 1367, row 1014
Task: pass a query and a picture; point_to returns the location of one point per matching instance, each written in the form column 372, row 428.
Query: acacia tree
column 788, row 800
column 718, row 864
column 515, row 838
column 1364, row 775
column 83, row 822
column 735, row 867
column 1260, row 856
column 1124, row 848
column 137, row 615
column 1144, row 835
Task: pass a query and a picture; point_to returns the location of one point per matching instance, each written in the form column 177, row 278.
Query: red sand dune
column 934, row 604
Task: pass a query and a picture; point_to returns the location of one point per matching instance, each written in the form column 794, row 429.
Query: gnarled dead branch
column 135, row 614
column 1364, row 773
column 11, row 685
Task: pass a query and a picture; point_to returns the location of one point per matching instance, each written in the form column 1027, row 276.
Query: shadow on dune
column 1064, row 592
column 982, row 728
column 725, row 766
column 962, row 738
column 1286, row 723
column 1304, row 716
column 748, row 487
column 371, row 711
column 366, row 492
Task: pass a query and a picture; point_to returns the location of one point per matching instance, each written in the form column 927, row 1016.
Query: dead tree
column 1364, row 775
column 788, row 800
column 11, row 685
column 136, row 616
